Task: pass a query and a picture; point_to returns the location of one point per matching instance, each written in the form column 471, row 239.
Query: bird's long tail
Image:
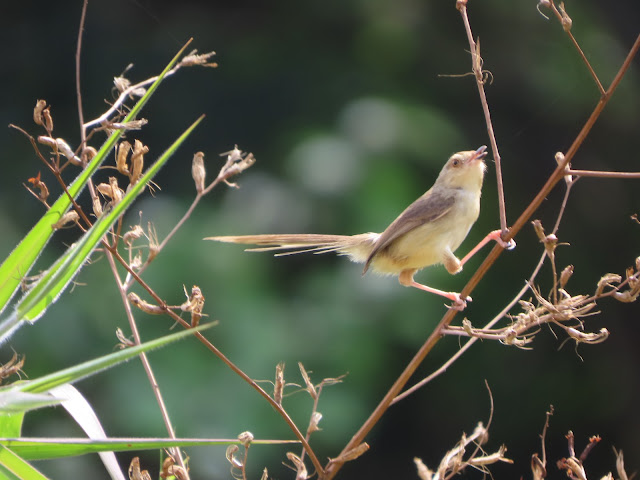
column 358, row 247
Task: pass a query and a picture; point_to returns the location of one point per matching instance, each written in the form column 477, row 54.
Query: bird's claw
column 510, row 245
column 459, row 303
column 497, row 236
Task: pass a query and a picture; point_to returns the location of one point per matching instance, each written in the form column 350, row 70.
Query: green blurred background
column 345, row 107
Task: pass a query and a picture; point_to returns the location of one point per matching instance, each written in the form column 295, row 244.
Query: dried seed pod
column 170, row 469
column 167, row 466
column 97, row 207
column 124, row 341
column 121, row 83
column 135, row 233
column 233, row 155
column 585, row 337
column 560, row 160
column 194, row 304
column 37, row 112
column 137, row 161
column 198, row 171
column 352, row 454
column 65, row 149
column 550, row 243
column 69, row 217
column 231, row 456
column 278, row 386
column 48, row 120
column 537, row 226
column 144, row 306
column 136, row 263
column 111, row 190
column 121, row 157
column 88, row 153
column 48, row 141
column 116, row 192
column 313, row 423
column 310, row 387
column 423, row 472
column 300, row 468
column 12, row 367
column 41, row 186
column 246, row 438
column 132, row 125
column 154, row 246
column 566, row 275
column 134, row 470
column 566, row 19
column 607, row 281
column 194, row 58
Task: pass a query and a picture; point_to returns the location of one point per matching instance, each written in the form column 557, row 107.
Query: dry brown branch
column 433, row 339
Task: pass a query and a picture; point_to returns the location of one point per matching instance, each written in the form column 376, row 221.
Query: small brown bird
column 426, row 233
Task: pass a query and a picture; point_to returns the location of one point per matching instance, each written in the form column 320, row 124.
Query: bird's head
column 464, row 170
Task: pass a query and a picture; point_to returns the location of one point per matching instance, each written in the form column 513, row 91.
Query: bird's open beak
column 480, row 153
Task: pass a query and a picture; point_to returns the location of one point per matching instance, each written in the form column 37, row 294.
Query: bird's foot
column 497, row 236
column 510, row 245
column 459, row 303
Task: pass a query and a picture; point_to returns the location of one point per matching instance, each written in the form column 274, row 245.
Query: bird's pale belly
column 426, row 245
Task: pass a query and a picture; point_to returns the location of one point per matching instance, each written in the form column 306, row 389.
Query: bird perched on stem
column 428, row 231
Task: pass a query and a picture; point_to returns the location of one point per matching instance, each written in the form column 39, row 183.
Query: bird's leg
column 495, row 235
column 406, row 278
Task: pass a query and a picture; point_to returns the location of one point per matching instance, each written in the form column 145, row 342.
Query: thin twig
column 125, row 94
column 199, row 195
column 601, row 174
column 163, row 305
column 476, row 65
column 83, row 17
column 56, row 173
column 176, row 452
column 560, row 171
column 83, row 130
column 472, row 340
column 135, row 276
column 316, row 400
column 565, row 20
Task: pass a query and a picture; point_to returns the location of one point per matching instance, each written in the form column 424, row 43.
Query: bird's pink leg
column 495, row 235
column 406, row 279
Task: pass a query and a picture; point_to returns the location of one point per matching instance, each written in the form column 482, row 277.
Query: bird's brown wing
column 428, row 208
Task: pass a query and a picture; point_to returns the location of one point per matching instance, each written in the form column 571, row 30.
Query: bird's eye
column 455, row 162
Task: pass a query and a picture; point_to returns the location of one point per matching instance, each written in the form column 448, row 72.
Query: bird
column 426, row 233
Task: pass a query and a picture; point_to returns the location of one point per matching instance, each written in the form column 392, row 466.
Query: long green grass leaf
column 12, row 467
column 47, row 448
column 22, row 258
column 55, row 280
column 91, row 367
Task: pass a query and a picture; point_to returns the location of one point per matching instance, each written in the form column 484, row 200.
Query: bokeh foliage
column 345, row 108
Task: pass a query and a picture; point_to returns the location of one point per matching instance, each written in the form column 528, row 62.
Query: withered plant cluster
column 130, row 251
